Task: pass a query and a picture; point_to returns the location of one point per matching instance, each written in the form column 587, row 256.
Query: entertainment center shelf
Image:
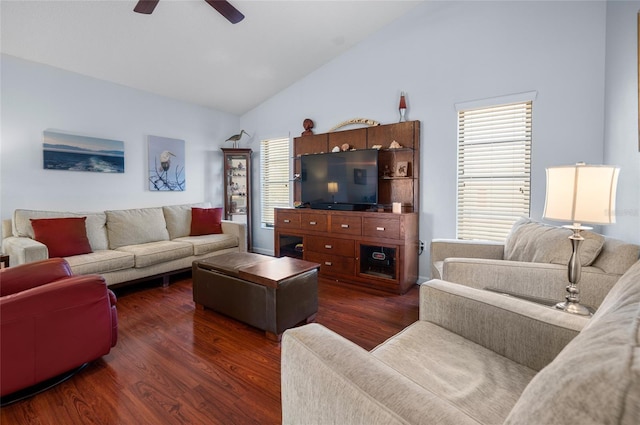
column 393, row 186
column 377, row 249
column 373, row 249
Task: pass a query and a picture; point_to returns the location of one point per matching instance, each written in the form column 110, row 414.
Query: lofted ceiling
column 186, row 50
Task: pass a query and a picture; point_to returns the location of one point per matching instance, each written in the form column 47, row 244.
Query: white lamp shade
column 581, row 193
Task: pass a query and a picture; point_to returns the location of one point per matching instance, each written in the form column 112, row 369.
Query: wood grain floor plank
column 177, row 365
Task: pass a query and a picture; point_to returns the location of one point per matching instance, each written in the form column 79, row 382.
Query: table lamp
column 580, row 194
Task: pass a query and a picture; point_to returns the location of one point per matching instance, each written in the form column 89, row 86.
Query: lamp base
column 573, row 308
column 572, row 303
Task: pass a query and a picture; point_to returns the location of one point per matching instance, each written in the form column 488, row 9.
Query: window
column 494, row 169
column 274, row 175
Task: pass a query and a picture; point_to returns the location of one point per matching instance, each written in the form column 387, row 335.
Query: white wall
column 621, row 115
column 448, row 52
column 441, row 53
column 37, row 97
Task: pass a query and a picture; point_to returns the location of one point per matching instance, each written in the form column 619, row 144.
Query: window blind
column 275, row 175
column 494, row 169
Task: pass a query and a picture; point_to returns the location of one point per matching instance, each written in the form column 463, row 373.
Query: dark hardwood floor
column 174, row 364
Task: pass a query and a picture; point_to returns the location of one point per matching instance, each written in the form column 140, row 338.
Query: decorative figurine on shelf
column 403, row 107
column 345, row 147
column 308, row 125
column 236, row 138
column 335, row 149
column 395, row 145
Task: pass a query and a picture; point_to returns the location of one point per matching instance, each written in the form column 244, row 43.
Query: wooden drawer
column 345, row 248
column 287, row 219
column 381, row 227
column 332, row 264
column 346, row 225
column 317, row 222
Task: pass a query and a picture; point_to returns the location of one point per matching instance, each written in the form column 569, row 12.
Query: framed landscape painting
column 166, row 164
column 63, row 151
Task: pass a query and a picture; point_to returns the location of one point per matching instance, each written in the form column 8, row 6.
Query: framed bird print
column 166, row 164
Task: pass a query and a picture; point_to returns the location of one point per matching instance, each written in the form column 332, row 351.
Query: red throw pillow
column 62, row 236
column 206, row 221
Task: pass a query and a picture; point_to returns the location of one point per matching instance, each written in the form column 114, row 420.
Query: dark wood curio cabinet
column 237, row 187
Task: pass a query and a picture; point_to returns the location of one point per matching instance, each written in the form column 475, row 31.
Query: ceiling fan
column 222, row 6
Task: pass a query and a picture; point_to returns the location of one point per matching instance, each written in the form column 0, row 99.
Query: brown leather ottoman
column 272, row 294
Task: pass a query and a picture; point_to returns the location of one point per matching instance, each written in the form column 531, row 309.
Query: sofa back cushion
column 596, row 378
column 617, row 256
column 95, row 225
column 540, row 243
column 178, row 218
column 136, row 226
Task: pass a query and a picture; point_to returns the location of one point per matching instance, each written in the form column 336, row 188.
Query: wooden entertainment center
column 378, row 248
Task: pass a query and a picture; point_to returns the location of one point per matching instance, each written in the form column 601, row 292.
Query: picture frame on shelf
column 402, row 169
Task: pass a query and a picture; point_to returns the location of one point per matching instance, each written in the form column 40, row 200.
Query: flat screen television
column 340, row 180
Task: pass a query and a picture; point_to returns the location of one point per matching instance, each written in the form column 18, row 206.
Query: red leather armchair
column 51, row 322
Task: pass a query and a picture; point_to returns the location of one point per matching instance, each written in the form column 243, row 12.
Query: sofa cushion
column 62, row 236
column 151, row 253
column 540, row 243
column 102, row 261
column 178, row 218
column 209, row 243
column 596, row 378
column 95, row 225
column 136, row 226
column 617, row 256
column 483, row 384
column 206, row 221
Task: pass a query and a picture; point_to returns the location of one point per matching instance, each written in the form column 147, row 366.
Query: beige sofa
column 474, row 357
column 127, row 245
column 533, row 261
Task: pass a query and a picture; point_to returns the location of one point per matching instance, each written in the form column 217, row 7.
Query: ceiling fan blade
column 146, row 6
column 227, row 10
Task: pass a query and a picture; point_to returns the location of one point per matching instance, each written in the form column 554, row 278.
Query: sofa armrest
column 542, row 280
column 7, row 228
column 58, row 296
column 24, row 250
column 239, row 230
column 31, row 275
column 441, row 249
column 327, row 379
column 526, row 332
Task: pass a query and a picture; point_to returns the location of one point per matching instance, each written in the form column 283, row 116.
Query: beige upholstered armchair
column 533, row 261
column 474, row 357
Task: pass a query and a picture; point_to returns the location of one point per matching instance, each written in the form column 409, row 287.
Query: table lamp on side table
column 580, row 193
